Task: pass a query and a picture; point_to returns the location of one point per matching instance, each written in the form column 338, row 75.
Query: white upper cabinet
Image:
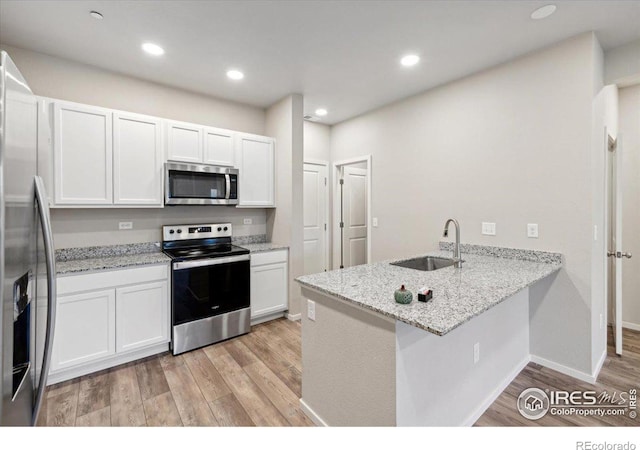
column 82, row 155
column 255, row 159
column 219, row 147
column 184, row 142
column 137, row 160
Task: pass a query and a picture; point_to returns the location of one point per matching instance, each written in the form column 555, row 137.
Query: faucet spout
column 456, row 248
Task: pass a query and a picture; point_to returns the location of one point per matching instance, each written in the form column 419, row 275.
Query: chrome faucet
column 456, row 249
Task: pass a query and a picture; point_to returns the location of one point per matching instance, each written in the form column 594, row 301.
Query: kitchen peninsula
column 368, row 361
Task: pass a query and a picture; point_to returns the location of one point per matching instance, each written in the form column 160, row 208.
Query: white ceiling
column 342, row 55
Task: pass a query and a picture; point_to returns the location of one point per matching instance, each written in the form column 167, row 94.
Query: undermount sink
column 425, row 263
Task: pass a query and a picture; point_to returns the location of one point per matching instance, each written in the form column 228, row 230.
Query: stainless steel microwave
column 200, row 184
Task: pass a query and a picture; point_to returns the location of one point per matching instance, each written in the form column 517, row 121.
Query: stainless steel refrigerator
column 27, row 262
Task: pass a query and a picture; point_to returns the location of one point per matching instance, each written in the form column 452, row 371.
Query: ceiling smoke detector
column 96, row 15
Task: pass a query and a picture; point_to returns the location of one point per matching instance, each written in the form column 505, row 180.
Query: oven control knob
column 219, row 228
column 225, row 228
column 179, row 231
column 171, row 231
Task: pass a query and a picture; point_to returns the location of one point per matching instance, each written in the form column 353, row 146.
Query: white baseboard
column 564, row 369
column 294, row 317
column 596, row 370
column 473, row 418
column 267, row 318
column 631, row 326
column 311, row 414
column 85, row 369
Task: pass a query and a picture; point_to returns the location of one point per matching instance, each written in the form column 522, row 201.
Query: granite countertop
column 262, row 247
column 488, row 276
column 85, row 259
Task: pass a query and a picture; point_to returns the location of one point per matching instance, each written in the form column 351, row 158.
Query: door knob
column 626, row 255
column 611, row 254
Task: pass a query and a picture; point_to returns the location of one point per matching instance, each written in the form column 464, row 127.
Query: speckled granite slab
column 105, row 251
column 85, row 259
column 458, row 294
column 252, row 239
column 262, row 247
column 505, row 252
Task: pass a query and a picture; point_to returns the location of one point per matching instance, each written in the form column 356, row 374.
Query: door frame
column 327, row 212
column 335, row 227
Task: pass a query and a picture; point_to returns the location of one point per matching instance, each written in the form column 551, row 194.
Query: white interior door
column 354, row 216
column 315, row 200
column 616, row 254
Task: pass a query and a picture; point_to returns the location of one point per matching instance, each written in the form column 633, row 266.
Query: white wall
column 629, row 114
column 67, row 80
column 437, row 381
column 622, row 64
column 285, row 223
column 510, row 145
column 317, row 141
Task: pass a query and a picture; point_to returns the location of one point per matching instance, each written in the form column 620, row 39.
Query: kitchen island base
column 361, row 368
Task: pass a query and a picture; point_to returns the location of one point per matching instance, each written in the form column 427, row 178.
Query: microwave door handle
column 45, row 221
column 227, row 179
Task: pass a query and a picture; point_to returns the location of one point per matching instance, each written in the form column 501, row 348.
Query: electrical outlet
column 125, row 225
column 489, row 228
column 476, row 352
column 247, row 221
column 532, row 230
column 375, row 222
column 311, row 310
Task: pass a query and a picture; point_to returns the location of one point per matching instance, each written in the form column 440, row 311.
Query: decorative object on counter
column 403, row 296
column 425, row 294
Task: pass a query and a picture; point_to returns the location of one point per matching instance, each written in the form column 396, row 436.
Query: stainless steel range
column 210, row 298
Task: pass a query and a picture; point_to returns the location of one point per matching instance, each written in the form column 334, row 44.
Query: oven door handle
column 227, row 179
column 209, row 262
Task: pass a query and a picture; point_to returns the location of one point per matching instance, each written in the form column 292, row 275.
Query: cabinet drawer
column 111, row 278
column 274, row 256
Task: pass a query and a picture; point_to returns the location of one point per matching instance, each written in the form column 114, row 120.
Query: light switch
column 489, row 228
column 375, row 222
column 532, row 230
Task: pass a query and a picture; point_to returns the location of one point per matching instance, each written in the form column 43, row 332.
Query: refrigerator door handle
column 45, row 220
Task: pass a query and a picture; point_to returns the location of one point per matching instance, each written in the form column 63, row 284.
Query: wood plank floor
column 619, row 373
column 255, row 380
column 251, row 380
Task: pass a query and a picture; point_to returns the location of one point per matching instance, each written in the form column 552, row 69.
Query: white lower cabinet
column 108, row 318
column 85, row 328
column 148, row 301
column 269, row 284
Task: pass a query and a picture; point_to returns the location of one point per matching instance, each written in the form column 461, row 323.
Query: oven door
column 208, row 287
column 199, row 184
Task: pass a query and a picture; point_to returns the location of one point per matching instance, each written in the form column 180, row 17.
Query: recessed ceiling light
column 321, row 112
column 96, row 15
column 152, row 49
column 409, row 60
column 235, row 74
column 543, row 12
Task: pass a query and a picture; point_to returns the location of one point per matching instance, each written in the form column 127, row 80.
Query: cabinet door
column 219, row 147
column 137, row 160
column 256, row 162
column 82, row 152
column 269, row 289
column 184, row 142
column 141, row 316
column 84, row 329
